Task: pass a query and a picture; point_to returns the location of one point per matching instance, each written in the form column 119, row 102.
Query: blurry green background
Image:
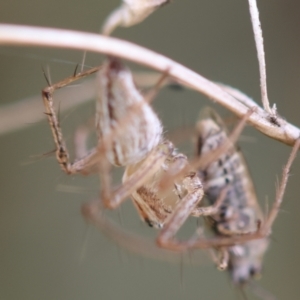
column 45, row 252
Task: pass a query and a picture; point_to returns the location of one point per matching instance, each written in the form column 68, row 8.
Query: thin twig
column 58, row 38
column 259, row 42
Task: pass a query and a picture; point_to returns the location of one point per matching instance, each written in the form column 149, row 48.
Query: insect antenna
column 43, row 155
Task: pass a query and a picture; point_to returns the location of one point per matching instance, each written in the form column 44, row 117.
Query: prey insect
column 240, row 212
column 241, row 229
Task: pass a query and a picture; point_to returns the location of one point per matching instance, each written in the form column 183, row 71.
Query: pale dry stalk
column 259, row 42
column 48, row 37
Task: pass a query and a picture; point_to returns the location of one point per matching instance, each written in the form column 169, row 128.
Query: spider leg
column 212, row 209
column 62, row 154
column 267, row 225
column 182, row 211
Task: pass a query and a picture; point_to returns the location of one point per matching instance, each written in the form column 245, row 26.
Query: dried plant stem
column 260, row 54
column 58, row 38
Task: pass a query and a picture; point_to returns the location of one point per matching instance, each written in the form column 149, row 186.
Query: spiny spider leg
column 62, row 154
column 186, row 207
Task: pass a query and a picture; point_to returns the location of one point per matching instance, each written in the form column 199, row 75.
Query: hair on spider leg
column 44, row 155
column 75, row 71
column 46, row 74
column 38, row 157
column 74, row 189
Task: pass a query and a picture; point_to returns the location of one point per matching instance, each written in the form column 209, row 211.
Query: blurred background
column 47, row 250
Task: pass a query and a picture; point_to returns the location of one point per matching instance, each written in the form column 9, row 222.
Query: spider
column 130, row 135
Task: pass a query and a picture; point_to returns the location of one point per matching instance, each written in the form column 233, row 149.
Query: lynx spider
column 120, row 110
